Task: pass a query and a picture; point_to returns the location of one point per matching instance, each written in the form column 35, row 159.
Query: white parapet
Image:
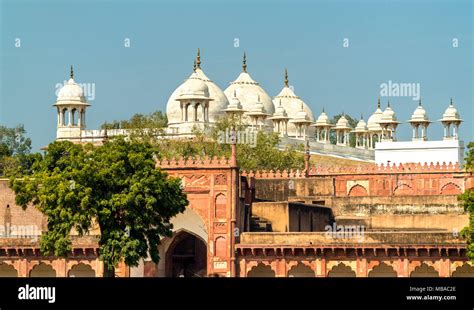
column 420, row 152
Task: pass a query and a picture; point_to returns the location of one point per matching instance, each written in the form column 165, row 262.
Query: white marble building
column 198, row 103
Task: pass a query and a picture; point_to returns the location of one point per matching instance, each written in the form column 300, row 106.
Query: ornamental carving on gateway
column 220, row 179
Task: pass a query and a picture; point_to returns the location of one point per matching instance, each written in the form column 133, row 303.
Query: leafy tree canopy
column 15, row 150
column 115, row 186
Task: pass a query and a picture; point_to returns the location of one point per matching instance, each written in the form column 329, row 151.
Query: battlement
column 411, row 168
column 194, row 162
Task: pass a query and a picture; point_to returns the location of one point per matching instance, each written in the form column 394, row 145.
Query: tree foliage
column 467, row 201
column 15, row 149
column 115, row 187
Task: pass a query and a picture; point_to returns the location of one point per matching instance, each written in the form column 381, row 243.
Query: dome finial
column 388, row 104
column 378, row 103
column 451, row 103
column 323, row 110
column 361, row 116
column 235, row 93
column 280, row 102
column 198, row 59
column 286, row 77
column 244, row 63
column 72, row 73
column 419, row 102
column 194, row 65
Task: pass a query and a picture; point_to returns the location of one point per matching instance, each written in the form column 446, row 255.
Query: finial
column 388, row 104
column 323, row 109
column 72, row 73
column 194, row 66
column 451, row 101
column 286, row 77
column 361, row 116
column 280, row 102
column 244, row 63
column 235, row 93
column 302, row 109
column 198, row 59
column 258, row 98
column 378, row 103
column 419, row 102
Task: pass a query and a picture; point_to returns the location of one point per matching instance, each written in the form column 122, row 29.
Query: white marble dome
column 219, row 100
column 361, row 126
column 71, row 92
column 323, row 119
column 248, row 91
column 194, row 88
column 388, row 115
column 292, row 104
column 342, row 123
column 451, row 114
column 419, row 115
column 373, row 123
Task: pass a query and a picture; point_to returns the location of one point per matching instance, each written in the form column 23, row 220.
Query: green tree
column 467, row 201
column 146, row 127
column 15, row 150
column 114, row 187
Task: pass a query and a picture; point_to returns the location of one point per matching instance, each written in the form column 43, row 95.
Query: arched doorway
column 42, row 270
column 424, row 271
column 341, row 271
column 464, row 271
column 81, row 271
column 382, row 271
column 301, row 271
column 261, row 271
column 7, row 271
column 186, row 256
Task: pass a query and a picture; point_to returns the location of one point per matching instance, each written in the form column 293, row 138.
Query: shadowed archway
column 186, row 256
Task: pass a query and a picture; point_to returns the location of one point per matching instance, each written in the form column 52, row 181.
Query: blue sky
column 398, row 41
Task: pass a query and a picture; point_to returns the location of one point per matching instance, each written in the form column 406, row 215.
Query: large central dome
column 292, row 104
column 219, row 100
column 249, row 93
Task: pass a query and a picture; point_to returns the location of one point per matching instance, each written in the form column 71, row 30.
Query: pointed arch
column 358, row 190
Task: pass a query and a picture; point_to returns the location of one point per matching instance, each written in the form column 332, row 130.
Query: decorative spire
column 302, row 109
column 378, row 103
column 194, row 66
column 280, row 102
column 419, row 102
column 323, row 110
column 72, row 73
column 235, row 93
column 451, row 101
column 244, row 63
column 388, row 104
column 286, row 77
column 198, row 59
column 361, row 116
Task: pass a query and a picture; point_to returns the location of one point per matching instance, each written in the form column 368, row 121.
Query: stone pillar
column 361, row 267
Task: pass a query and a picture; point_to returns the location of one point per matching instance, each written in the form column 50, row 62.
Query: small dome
column 419, row 115
column 451, row 114
column 374, row 119
column 258, row 108
column 388, row 115
column 323, row 120
column 194, row 88
column 361, row 126
column 342, row 123
column 234, row 104
column 71, row 92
